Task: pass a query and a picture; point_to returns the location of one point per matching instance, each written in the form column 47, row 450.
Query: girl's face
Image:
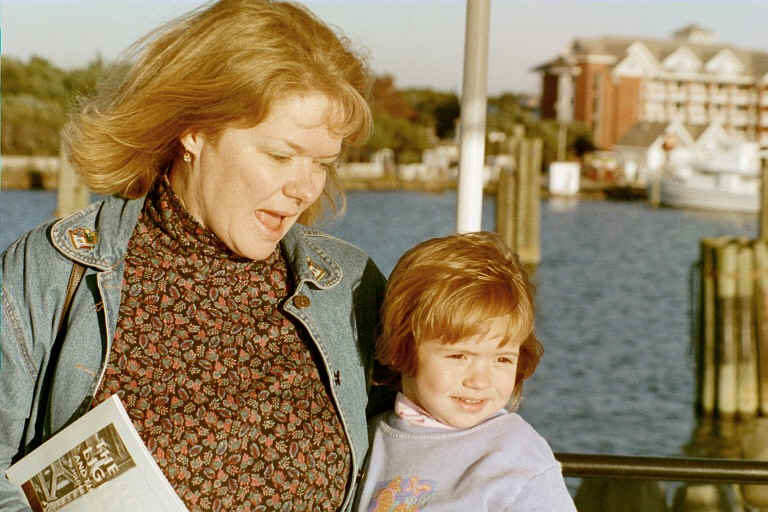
column 464, row 383
column 250, row 185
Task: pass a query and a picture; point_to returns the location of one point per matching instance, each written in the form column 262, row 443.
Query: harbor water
column 613, row 299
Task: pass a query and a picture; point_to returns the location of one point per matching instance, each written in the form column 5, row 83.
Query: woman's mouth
column 271, row 221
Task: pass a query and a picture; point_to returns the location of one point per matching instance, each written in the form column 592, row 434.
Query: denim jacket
column 44, row 386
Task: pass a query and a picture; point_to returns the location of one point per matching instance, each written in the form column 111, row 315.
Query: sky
column 419, row 42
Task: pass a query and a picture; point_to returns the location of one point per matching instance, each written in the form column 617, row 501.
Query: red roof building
column 611, row 83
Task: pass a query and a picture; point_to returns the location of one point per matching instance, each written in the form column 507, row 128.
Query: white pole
column 469, row 208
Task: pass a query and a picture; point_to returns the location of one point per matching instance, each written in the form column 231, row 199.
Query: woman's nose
column 303, row 184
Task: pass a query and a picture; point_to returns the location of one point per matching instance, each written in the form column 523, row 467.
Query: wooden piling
column 763, row 220
column 522, row 195
column 753, row 439
column 654, row 196
column 760, row 301
column 518, row 213
column 706, row 390
column 533, row 234
column 747, row 365
column 73, row 193
column 727, row 353
column 505, row 202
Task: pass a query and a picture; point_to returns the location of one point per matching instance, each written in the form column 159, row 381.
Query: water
column 613, row 306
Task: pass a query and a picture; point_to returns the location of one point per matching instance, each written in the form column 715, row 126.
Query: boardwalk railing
column 664, row 468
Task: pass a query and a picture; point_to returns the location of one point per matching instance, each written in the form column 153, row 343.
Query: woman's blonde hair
column 223, row 64
column 447, row 289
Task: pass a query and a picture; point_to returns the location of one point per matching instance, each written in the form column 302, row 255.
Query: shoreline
column 34, row 179
column 590, row 190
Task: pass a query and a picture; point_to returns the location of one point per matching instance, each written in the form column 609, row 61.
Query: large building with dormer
column 611, row 83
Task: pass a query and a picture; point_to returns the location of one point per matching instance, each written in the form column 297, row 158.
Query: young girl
column 458, row 331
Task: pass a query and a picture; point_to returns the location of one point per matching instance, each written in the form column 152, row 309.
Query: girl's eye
column 506, row 360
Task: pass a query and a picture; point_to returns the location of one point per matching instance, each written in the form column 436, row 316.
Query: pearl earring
column 187, row 156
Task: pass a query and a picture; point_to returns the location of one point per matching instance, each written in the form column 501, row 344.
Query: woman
column 239, row 340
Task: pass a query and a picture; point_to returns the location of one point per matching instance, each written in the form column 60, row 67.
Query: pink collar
column 415, row 415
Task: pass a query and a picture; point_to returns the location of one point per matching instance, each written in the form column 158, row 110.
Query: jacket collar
column 98, row 235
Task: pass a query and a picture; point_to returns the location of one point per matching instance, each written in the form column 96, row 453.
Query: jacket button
column 301, row 301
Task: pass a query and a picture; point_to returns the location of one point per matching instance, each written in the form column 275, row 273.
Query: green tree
column 31, row 126
column 436, row 109
column 505, row 113
column 397, row 125
column 386, row 99
column 36, row 98
column 405, row 138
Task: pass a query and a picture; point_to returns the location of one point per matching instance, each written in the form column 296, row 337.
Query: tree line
column 37, row 96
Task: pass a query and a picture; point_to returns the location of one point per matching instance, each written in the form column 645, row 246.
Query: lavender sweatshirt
column 502, row 464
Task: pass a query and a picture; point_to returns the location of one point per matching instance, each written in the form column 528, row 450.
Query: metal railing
column 664, row 468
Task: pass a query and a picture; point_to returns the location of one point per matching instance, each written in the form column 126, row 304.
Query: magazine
column 99, row 462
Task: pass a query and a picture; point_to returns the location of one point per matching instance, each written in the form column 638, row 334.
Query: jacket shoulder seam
column 321, row 234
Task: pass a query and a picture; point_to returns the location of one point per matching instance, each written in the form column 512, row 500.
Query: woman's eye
column 321, row 167
column 456, row 356
column 279, row 158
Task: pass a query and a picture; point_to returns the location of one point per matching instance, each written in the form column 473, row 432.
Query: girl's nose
column 478, row 376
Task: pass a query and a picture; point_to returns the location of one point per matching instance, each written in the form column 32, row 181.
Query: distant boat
column 728, row 180
column 700, row 195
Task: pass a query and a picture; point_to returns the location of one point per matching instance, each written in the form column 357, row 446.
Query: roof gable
column 678, row 132
column 645, row 134
column 682, row 60
column 724, row 62
column 713, row 58
column 638, row 62
column 712, row 136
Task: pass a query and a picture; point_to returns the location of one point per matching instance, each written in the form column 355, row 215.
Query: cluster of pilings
column 732, row 328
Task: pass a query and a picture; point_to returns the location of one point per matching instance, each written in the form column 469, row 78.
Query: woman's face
column 251, row 184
